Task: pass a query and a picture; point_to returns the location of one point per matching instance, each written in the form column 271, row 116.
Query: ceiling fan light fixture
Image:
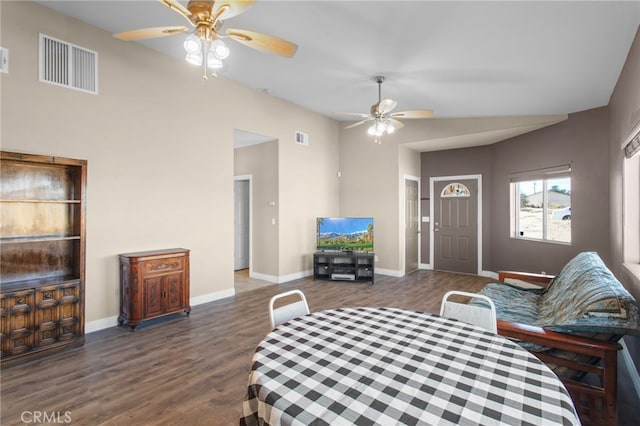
column 194, row 58
column 213, row 62
column 389, row 128
column 219, row 49
column 206, row 17
column 192, row 44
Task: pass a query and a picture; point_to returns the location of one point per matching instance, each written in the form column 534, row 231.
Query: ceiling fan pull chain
column 205, row 57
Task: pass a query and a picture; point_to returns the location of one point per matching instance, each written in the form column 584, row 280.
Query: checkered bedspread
column 384, row 366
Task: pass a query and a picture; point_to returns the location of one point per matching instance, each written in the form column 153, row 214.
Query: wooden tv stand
column 344, row 266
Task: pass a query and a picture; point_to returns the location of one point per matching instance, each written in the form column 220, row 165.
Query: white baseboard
column 264, row 277
column 631, row 368
column 279, row 279
column 389, row 272
column 102, row 323
column 210, row 297
column 489, row 274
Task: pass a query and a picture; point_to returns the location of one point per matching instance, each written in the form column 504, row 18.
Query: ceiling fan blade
column 153, row 32
column 231, row 8
column 263, row 42
column 357, row 114
column 174, row 5
column 386, row 105
column 425, row 113
column 397, row 124
column 357, row 124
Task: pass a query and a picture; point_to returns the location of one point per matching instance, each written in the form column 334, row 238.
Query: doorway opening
column 254, row 165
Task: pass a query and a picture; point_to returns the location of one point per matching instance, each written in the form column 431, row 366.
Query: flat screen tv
column 344, row 233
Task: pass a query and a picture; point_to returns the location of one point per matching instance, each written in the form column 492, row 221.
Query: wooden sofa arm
column 567, row 342
column 596, row 405
column 525, row 276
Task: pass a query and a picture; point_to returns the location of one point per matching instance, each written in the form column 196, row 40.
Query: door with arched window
column 455, row 225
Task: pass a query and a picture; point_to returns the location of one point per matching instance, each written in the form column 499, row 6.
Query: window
column 541, row 205
column 631, row 201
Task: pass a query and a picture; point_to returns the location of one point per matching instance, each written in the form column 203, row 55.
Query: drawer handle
column 47, row 296
column 20, row 301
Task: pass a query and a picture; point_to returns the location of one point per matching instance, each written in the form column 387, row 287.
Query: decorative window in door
column 455, row 190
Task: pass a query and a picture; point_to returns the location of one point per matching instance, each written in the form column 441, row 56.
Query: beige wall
column 309, row 188
column 159, row 145
column 261, row 162
column 371, row 185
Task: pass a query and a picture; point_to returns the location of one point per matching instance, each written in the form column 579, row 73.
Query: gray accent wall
column 581, row 141
column 624, row 114
column 457, row 162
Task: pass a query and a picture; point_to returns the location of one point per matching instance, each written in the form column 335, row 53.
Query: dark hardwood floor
column 193, row 370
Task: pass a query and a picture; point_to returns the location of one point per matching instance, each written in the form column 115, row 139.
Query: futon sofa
column 573, row 324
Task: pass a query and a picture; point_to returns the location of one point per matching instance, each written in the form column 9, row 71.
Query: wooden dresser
column 153, row 284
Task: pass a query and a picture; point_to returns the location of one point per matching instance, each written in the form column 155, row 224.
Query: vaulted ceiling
column 488, row 70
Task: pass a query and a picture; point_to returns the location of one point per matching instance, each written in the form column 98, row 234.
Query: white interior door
column 241, row 224
column 411, row 226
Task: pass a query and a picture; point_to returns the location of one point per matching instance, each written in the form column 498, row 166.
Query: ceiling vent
column 302, row 138
column 68, row 65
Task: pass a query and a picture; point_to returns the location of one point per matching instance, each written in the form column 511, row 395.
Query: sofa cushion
column 515, row 304
column 585, row 297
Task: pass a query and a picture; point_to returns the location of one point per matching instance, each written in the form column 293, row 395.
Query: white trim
column 250, row 179
column 211, row 297
column 425, row 266
column 631, row 368
column 390, row 272
column 100, row 324
column 103, row 323
column 432, row 181
column 279, row 279
column 489, row 274
column 264, row 277
column 295, row 276
column 403, row 215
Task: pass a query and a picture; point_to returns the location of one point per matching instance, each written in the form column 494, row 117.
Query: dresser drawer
column 159, row 266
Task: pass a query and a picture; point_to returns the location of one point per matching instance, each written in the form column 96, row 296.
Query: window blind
column 539, row 174
column 633, row 146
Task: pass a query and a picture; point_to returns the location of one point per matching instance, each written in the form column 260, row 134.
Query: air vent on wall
column 68, row 65
column 302, row 138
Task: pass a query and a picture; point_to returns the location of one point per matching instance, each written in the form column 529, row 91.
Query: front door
column 411, row 226
column 455, row 225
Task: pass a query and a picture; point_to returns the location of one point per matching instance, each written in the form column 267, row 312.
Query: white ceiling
column 461, row 59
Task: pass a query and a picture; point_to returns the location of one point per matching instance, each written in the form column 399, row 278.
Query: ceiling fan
column 385, row 121
column 205, row 46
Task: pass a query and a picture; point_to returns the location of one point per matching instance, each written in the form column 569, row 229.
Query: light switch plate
column 4, row 60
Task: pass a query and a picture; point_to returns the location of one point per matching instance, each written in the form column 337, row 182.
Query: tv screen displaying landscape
column 345, row 233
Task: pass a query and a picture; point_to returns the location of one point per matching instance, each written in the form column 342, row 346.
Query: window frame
column 631, row 202
column 545, row 175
